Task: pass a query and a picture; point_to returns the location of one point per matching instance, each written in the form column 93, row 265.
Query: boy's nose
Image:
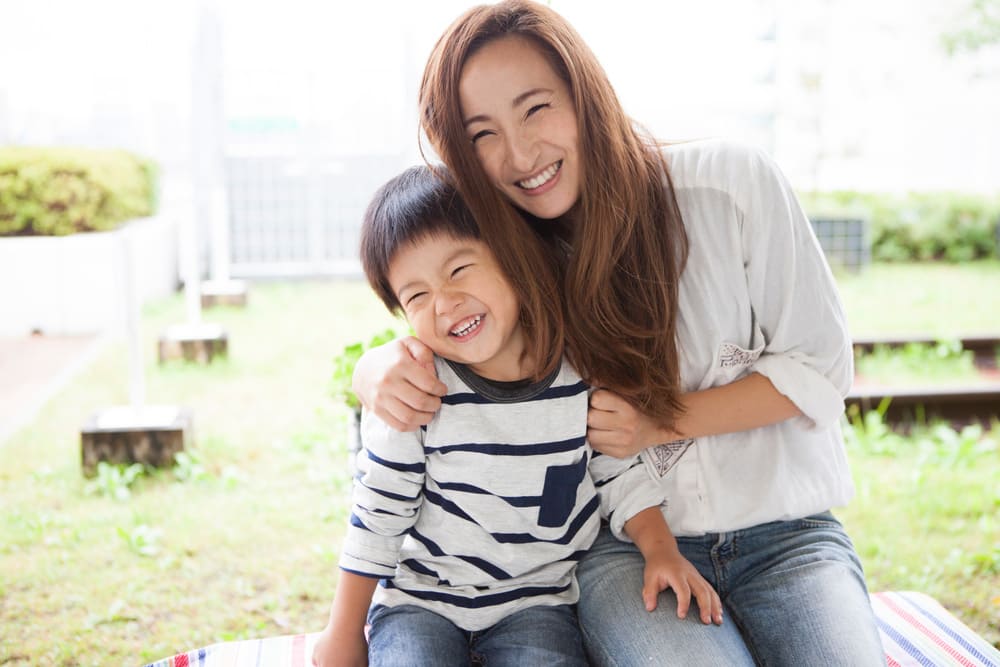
column 447, row 301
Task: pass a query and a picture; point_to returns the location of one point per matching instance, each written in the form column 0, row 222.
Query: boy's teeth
column 541, row 179
column 468, row 327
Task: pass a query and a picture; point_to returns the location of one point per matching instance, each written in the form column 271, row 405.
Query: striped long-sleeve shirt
column 487, row 509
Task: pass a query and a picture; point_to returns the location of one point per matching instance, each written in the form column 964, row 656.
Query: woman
column 699, row 302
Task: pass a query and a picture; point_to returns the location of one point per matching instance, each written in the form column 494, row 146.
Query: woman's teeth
column 542, row 178
column 468, row 327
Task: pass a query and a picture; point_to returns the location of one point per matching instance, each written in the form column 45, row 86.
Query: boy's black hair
column 416, row 203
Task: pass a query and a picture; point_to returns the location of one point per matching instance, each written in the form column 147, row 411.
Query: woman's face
column 520, row 118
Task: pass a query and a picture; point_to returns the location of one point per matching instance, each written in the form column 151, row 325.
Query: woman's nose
column 522, row 152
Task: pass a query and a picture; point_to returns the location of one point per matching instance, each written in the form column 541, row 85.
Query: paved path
column 35, row 368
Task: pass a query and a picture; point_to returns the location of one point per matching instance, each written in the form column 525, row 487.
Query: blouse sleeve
column 388, row 491
column 808, row 355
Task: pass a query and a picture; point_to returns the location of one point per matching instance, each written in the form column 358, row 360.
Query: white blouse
column 756, row 296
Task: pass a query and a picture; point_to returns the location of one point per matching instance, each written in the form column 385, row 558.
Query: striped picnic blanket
column 915, row 630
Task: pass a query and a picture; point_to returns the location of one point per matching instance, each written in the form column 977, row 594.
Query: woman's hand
column 397, row 382
column 616, row 428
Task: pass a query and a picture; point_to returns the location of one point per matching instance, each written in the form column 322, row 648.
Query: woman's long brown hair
column 627, row 239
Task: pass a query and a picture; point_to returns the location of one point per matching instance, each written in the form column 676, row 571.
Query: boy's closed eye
column 409, row 300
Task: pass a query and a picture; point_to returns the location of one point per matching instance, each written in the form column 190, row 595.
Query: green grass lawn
column 241, row 539
column 940, row 300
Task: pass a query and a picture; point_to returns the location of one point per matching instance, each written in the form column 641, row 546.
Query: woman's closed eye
column 479, row 135
column 535, row 109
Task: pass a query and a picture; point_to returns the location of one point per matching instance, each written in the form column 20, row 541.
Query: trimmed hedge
column 922, row 226
column 59, row 191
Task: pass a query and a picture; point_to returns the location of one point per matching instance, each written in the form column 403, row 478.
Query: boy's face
column 460, row 305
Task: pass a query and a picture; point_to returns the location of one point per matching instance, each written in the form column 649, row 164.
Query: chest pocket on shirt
column 559, row 495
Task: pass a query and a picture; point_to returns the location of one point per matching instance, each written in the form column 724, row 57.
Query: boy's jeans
column 409, row 636
column 793, row 594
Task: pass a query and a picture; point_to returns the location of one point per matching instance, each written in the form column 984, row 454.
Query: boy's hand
column 334, row 650
column 665, row 570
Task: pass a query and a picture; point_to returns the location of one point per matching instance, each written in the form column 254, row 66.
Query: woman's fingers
column 423, row 356
column 398, row 383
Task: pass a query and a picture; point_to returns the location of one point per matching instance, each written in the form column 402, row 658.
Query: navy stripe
column 607, row 480
column 487, row 567
column 357, row 523
column 499, row 449
column 515, row 501
column 390, row 494
column 415, row 565
column 576, row 555
column 447, row 505
column 483, row 600
column 472, row 398
column 563, row 391
column 435, row 550
column 367, row 575
column 396, row 465
column 428, row 543
column 578, row 521
column 367, row 510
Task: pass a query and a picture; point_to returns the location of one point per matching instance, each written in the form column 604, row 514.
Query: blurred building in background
column 318, row 100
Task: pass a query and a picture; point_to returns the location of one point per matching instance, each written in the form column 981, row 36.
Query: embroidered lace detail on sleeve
column 661, row 458
column 734, row 356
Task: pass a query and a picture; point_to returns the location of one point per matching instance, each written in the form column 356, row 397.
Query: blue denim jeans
column 409, row 636
column 793, row 594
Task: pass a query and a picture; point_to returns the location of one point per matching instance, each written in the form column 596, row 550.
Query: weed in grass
column 870, row 433
column 189, row 468
column 142, row 539
column 113, row 481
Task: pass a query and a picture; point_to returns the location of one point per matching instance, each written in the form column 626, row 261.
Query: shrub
column 343, row 367
column 59, row 191
column 949, row 226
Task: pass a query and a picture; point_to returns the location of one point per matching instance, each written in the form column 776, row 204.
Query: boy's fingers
column 683, row 600
column 717, row 609
column 649, row 594
column 709, row 605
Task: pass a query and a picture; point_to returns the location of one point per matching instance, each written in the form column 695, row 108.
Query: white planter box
column 67, row 285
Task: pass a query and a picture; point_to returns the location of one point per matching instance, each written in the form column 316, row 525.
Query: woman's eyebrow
column 518, row 101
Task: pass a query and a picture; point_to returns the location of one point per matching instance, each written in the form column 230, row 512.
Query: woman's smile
column 520, row 117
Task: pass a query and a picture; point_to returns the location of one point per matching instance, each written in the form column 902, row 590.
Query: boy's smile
column 460, row 305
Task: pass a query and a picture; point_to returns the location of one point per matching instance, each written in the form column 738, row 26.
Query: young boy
column 474, row 524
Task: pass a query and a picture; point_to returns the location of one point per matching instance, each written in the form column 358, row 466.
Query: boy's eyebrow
column 513, row 105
